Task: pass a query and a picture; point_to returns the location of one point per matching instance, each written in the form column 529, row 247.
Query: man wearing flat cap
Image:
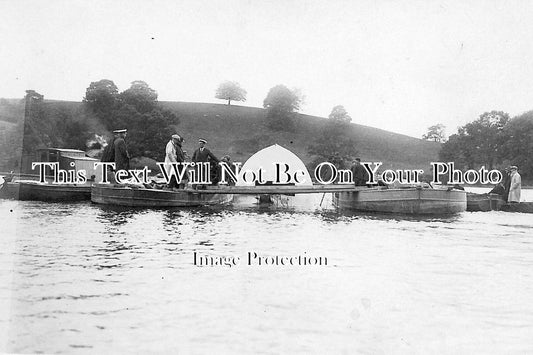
column 122, row 157
column 174, row 154
column 516, row 185
column 202, row 154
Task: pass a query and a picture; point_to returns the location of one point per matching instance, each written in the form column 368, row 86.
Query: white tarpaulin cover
column 267, row 158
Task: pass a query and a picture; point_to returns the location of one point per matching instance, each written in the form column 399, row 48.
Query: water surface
column 81, row 277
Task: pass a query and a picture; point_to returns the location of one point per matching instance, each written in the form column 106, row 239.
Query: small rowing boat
column 483, row 202
column 495, row 202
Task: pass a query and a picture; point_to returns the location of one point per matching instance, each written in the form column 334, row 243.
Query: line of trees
column 493, row 140
column 105, row 108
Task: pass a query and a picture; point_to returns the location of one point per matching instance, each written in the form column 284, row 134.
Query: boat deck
column 278, row 190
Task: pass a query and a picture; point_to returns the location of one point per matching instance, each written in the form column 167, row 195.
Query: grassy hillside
column 239, row 132
column 11, row 110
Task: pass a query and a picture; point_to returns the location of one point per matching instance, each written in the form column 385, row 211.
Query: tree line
column 150, row 126
column 494, row 140
column 105, row 109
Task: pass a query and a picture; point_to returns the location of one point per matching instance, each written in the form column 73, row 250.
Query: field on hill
column 239, row 131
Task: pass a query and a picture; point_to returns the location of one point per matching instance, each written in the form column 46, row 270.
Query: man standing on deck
column 122, row 157
column 506, row 183
column 516, row 186
column 174, row 154
column 360, row 175
column 204, row 155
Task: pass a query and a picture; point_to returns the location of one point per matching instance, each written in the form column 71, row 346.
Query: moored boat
column 483, row 202
column 137, row 196
column 26, row 185
column 33, row 190
column 411, row 200
column 9, row 190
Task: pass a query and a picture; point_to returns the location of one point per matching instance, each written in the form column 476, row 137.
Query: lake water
column 82, row 278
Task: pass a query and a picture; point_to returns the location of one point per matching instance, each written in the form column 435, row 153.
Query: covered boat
column 67, row 159
column 412, row 200
column 136, row 196
column 25, row 186
column 483, row 202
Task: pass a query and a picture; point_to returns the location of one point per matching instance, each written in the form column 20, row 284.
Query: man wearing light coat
column 174, row 154
column 516, row 186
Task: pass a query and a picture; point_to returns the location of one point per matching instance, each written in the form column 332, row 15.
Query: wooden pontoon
column 135, row 196
column 413, row 200
column 212, row 195
column 280, row 189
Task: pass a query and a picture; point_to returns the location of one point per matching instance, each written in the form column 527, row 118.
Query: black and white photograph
column 266, row 177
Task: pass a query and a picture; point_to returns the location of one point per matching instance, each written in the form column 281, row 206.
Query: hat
column 513, row 167
column 176, row 136
column 201, row 140
column 120, row 131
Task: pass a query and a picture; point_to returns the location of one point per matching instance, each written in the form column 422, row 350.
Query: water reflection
column 117, row 215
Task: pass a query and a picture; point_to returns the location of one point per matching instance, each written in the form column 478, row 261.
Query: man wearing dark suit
column 202, row 154
column 360, row 175
column 122, row 157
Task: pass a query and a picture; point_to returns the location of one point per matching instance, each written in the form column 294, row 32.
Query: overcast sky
column 396, row 65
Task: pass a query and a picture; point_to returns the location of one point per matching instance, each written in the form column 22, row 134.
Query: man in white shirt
column 173, row 154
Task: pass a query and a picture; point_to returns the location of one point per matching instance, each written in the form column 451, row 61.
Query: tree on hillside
column 435, row 133
column 335, row 143
column 230, row 90
column 339, row 113
column 140, row 95
column 137, row 109
column 148, row 133
column 101, row 97
column 281, row 103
